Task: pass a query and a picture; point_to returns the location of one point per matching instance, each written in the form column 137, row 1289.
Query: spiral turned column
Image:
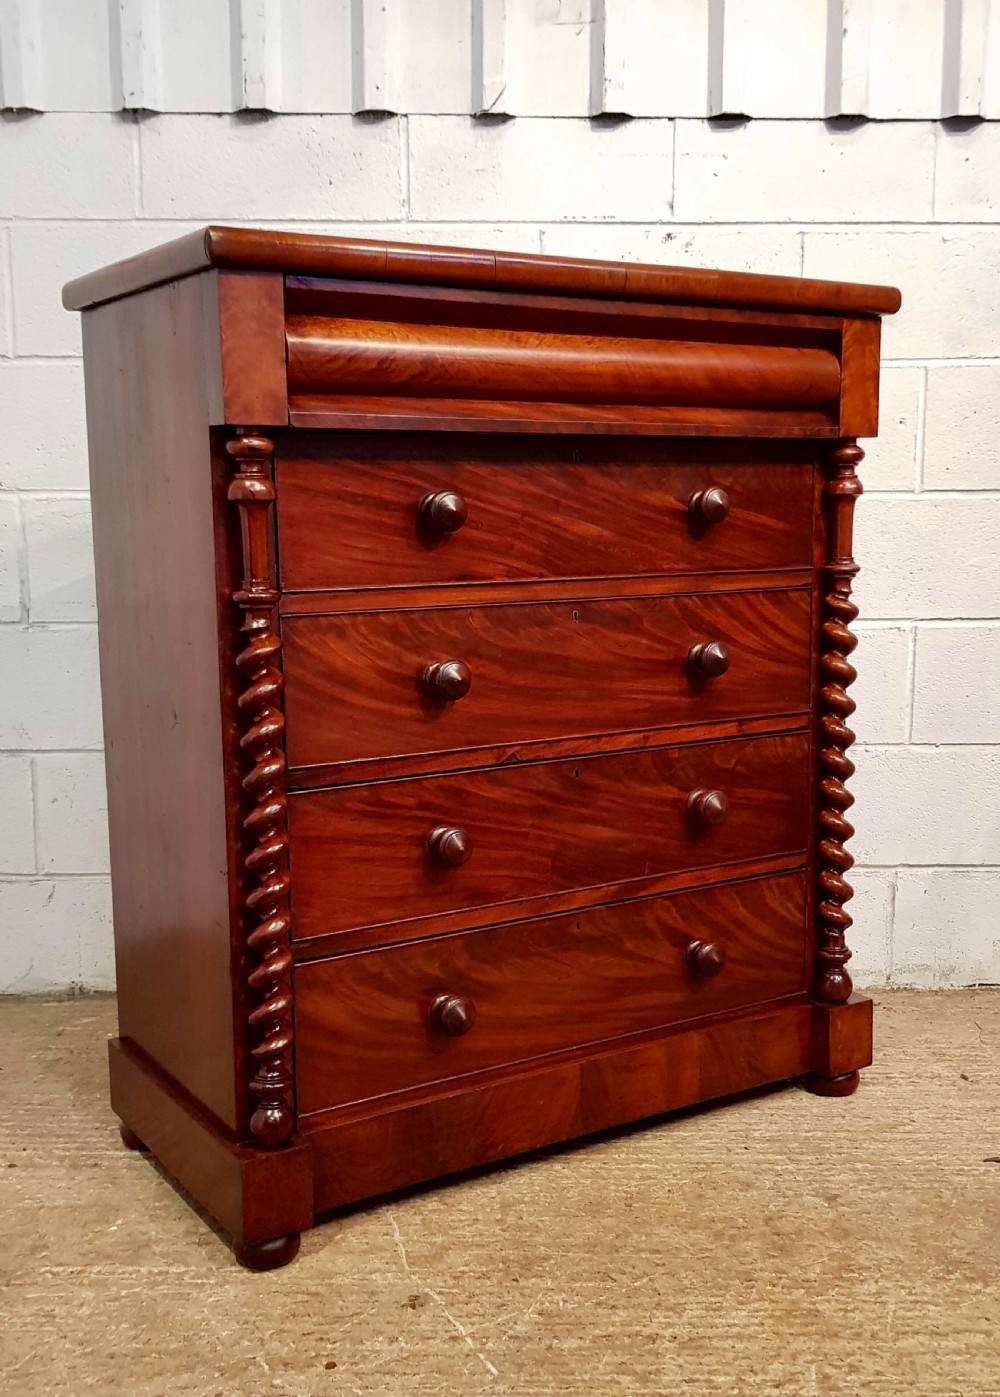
column 266, row 863
column 835, row 706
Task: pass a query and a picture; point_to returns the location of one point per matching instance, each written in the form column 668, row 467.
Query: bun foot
column 844, row 1085
column 130, row 1140
column 268, row 1256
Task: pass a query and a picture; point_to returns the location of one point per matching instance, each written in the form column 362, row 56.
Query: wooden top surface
column 312, row 255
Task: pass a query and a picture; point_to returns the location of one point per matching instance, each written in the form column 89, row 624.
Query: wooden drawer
column 360, row 854
column 349, row 515
column 365, row 1024
column 354, row 686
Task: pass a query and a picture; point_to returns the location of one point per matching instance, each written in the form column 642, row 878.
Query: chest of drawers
column 475, row 646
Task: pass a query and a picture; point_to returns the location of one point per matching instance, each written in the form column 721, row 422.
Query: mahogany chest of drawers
column 475, row 645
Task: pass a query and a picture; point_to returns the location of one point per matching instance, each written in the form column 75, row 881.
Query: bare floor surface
column 779, row 1244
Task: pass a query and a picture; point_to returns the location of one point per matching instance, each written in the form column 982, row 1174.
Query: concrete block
column 46, row 925
column 60, row 554
column 67, row 165
column 17, row 823
column 882, row 688
column 51, row 688
column 44, row 256
column 967, row 172
column 538, row 170
column 71, row 812
column 774, row 251
column 928, row 557
column 11, row 559
column 803, row 172
column 963, row 427
column 926, row 805
column 870, row 938
column 43, row 445
column 292, row 167
column 956, row 690
column 891, row 458
column 951, row 293
column 945, row 931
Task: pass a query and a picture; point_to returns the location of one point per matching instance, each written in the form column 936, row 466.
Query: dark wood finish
column 539, row 987
column 385, row 413
column 860, row 367
column 391, row 1144
column 453, row 1014
column 539, row 830
column 708, row 507
column 311, row 255
column 834, row 707
column 841, row 1044
column 254, row 1195
column 628, row 517
column 706, row 958
column 268, row 913
column 546, row 565
column 130, row 1140
column 251, row 319
column 328, row 355
column 158, row 586
column 354, row 683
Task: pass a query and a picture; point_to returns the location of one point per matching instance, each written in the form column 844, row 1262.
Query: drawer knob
column 443, row 512
column 448, row 679
column 705, row 958
column 452, row 1014
column 710, row 807
column 450, row 845
column 708, row 507
column 709, row 658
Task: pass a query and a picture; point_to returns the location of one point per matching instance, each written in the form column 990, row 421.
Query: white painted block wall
column 915, row 203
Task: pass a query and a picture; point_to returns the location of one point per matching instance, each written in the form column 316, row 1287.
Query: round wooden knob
column 709, row 658
column 448, row 679
column 452, row 1014
column 709, row 506
column 706, row 958
column 710, row 807
column 450, row 845
column 443, row 512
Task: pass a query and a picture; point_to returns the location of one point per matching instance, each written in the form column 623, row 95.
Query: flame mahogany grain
column 539, row 670
column 540, row 986
column 581, row 511
column 580, row 885
column 361, row 852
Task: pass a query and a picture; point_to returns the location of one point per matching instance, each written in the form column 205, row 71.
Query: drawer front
column 364, row 855
column 345, row 521
column 375, row 1022
column 356, row 685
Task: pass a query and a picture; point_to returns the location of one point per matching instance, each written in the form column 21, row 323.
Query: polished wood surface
column 364, row 1025
column 834, row 707
column 323, row 255
column 354, row 683
column 328, row 355
column 160, row 586
column 587, row 510
column 359, row 1152
column 361, row 853
column 386, row 414
column 476, row 642
column 269, row 1021
column 254, row 1195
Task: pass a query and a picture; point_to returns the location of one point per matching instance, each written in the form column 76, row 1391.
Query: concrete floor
column 781, row 1244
